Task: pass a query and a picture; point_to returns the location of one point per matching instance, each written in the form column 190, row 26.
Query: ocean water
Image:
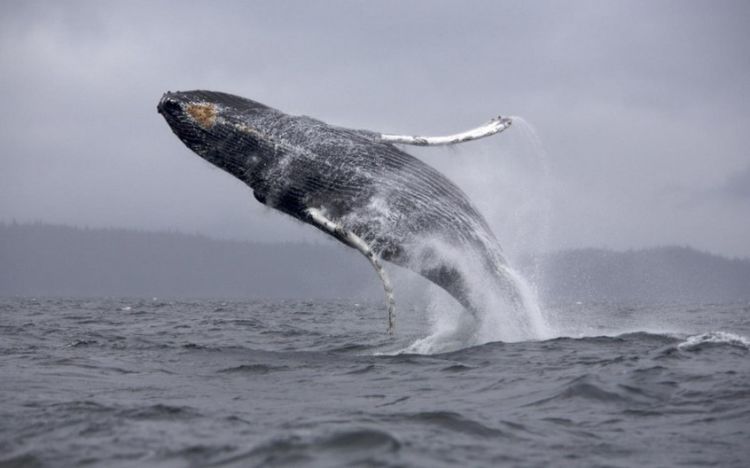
column 151, row 382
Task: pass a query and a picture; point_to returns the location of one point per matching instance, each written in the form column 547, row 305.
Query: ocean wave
column 592, row 388
column 437, row 348
column 356, row 446
column 714, row 338
column 160, row 412
column 449, row 421
column 253, row 369
column 22, row 460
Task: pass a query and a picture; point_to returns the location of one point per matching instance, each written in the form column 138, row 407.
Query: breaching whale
column 355, row 185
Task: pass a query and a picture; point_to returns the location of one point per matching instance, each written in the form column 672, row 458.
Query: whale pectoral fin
column 353, row 240
column 496, row 125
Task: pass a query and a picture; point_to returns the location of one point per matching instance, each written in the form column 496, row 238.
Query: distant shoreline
column 45, row 260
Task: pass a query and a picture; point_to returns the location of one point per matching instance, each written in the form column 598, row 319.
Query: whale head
column 221, row 128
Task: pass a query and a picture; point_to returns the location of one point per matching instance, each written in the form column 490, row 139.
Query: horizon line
column 327, row 243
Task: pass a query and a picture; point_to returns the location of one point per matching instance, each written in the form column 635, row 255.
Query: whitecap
column 717, row 337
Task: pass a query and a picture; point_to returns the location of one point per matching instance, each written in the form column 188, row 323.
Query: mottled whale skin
column 407, row 212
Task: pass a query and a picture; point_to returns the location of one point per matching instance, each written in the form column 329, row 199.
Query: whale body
column 355, row 185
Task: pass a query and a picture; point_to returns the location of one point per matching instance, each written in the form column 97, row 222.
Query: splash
column 510, row 187
column 497, row 317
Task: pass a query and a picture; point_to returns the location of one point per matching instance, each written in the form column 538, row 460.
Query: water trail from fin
column 535, row 149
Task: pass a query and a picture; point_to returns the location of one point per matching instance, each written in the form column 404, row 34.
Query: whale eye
column 204, row 114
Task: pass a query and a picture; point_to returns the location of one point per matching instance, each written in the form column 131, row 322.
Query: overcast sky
column 643, row 109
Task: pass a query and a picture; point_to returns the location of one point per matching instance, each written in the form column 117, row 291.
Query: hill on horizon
column 51, row 260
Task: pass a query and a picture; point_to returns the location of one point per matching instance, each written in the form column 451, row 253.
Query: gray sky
column 642, row 108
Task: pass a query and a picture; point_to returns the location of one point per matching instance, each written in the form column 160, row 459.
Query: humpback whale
column 359, row 186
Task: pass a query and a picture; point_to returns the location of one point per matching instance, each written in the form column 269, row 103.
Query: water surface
column 129, row 382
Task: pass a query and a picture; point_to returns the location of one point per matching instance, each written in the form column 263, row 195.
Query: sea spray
column 508, row 179
column 496, row 318
column 540, row 198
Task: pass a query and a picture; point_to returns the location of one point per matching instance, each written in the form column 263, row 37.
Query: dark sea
column 151, row 382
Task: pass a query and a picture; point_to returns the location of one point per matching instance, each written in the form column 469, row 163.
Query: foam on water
column 715, row 337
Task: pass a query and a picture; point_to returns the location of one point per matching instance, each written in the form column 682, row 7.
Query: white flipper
column 356, row 242
column 496, row 125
